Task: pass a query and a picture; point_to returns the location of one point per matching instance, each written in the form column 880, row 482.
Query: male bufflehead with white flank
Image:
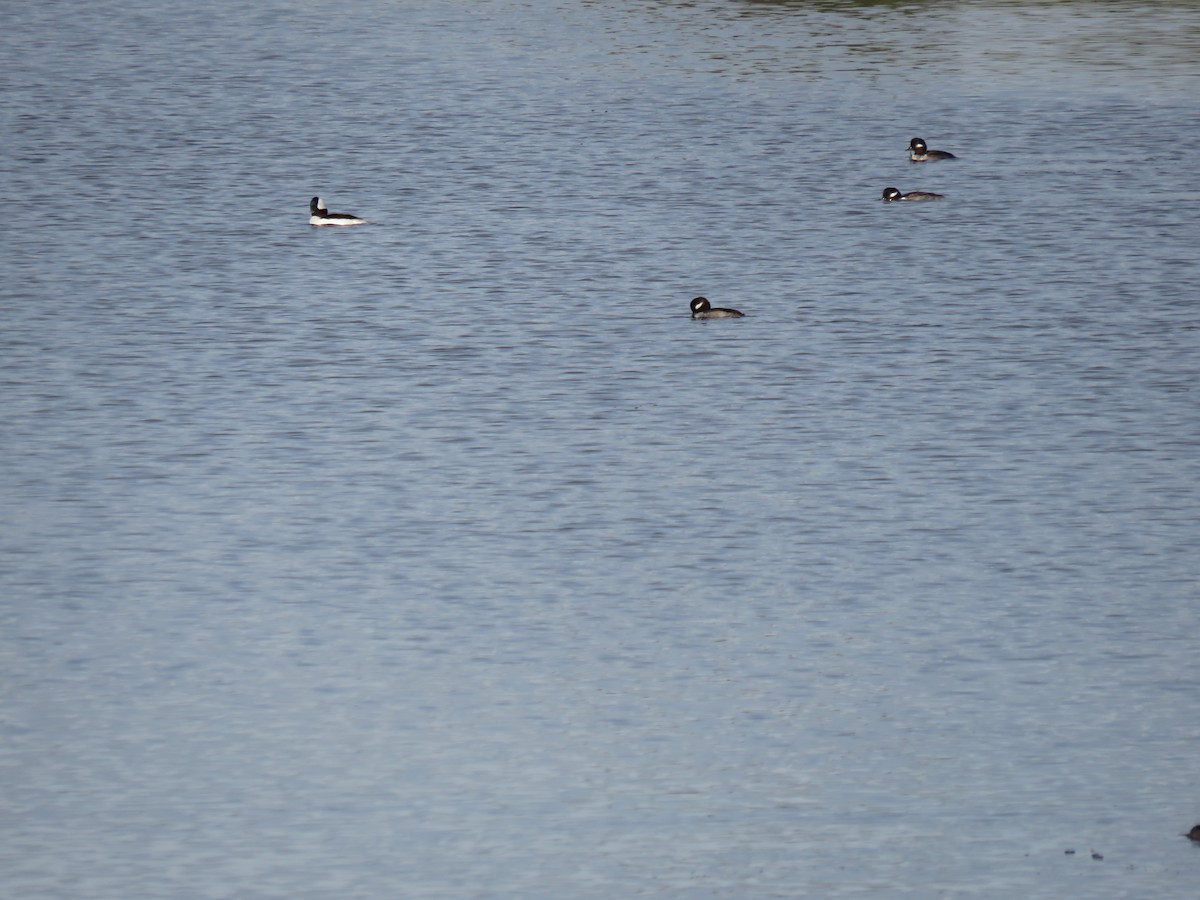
column 322, row 216
column 918, row 151
column 891, row 193
column 702, row 309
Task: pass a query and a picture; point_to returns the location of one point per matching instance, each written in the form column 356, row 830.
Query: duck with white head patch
column 321, row 216
column 702, row 309
column 918, row 151
column 891, row 195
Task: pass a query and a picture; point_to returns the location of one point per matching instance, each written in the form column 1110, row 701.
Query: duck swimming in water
column 321, row 216
column 891, row 194
column 918, row 151
column 702, row 309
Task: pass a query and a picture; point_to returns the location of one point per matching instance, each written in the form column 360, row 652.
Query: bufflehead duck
column 919, row 152
column 1194, row 834
column 891, row 193
column 702, row 309
column 322, row 216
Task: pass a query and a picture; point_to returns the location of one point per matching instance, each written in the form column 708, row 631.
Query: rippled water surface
column 447, row 557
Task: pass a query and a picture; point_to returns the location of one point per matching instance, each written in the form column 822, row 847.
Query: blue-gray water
column 447, row 557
